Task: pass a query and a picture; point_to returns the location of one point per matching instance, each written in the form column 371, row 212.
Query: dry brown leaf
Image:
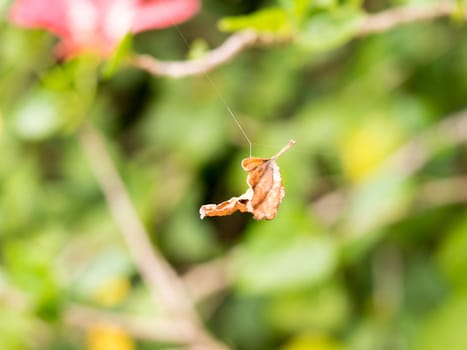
column 264, row 194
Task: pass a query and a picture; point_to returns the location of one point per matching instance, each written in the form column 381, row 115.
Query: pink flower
column 98, row 25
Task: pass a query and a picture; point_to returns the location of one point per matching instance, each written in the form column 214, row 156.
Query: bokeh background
column 369, row 247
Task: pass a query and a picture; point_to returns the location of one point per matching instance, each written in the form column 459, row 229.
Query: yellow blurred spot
column 108, row 338
column 112, row 291
column 365, row 149
column 312, row 342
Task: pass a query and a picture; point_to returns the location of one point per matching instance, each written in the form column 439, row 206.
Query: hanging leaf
column 264, row 194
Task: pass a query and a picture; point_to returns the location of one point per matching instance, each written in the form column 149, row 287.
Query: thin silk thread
column 219, row 95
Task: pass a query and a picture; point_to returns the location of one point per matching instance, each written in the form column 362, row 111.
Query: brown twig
column 283, row 150
column 238, row 42
column 165, row 285
column 389, row 19
column 235, row 44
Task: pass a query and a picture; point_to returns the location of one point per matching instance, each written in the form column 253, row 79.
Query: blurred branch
column 329, row 206
column 13, row 298
column 406, row 161
column 165, row 285
column 154, row 269
column 202, row 281
column 164, row 330
column 211, row 276
column 389, row 19
column 451, row 190
column 207, row 279
column 452, row 130
column 84, row 317
column 235, row 44
column 238, row 42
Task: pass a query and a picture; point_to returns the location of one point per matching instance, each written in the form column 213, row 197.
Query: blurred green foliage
column 360, row 256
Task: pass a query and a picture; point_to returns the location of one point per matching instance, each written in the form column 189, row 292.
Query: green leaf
column 14, row 325
column 109, row 264
column 312, row 342
column 286, row 254
column 3, row 7
column 242, row 322
column 302, row 6
column 458, row 14
column 118, row 56
column 297, row 8
column 299, row 262
column 452, row 257
column 445, row 328
column 324, row 3
column 290, row 312
column 328, row 30
column 378, row 201
column 188, row 239
column 198, row 48
column 272, row 20
column 38, row 116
